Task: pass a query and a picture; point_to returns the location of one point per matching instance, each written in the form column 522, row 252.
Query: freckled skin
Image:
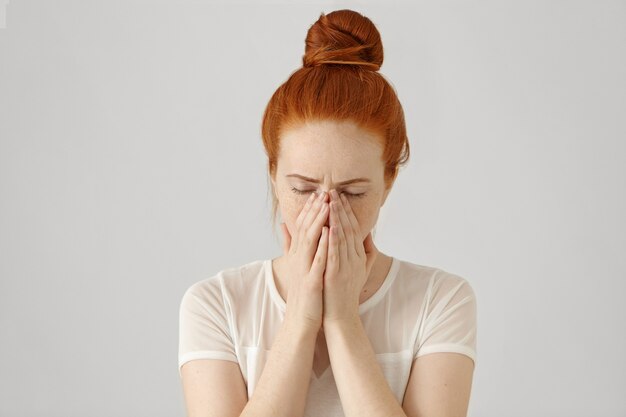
column 332, row 152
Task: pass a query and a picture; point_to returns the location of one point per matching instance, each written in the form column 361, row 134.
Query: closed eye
column 351, row 195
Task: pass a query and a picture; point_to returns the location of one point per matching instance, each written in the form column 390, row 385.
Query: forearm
column 362, row 387
column 284, row 383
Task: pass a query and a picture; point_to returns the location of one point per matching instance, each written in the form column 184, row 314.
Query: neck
column 378, row 273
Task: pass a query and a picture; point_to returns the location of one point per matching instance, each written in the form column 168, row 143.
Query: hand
column 305, row 260
column 349, row 262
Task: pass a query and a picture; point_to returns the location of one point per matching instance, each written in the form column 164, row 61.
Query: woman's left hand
column 348, row 264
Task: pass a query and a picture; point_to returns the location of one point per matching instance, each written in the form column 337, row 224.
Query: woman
column 332, row 327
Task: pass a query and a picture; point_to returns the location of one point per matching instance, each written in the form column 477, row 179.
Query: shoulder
column 435, row 281
column 227, row 280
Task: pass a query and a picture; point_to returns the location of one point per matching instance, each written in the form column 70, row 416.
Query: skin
column 439, row 383
column 333, row 152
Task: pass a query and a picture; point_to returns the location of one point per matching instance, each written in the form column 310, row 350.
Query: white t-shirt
column 236, row 314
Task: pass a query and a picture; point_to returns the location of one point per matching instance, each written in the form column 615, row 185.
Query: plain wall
column 131, row 166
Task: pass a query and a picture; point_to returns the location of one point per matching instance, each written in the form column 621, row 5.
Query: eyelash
column 359, row 195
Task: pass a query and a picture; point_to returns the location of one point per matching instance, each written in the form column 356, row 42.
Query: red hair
column 339, row 80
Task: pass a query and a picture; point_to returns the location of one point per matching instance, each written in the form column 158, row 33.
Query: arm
column 362, row 387
column 439, row 384
column 284, row 383
column 212, row 388
column 215, row 388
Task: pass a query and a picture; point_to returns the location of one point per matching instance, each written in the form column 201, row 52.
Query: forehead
column 329, row 144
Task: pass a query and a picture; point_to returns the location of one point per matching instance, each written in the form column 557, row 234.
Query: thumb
column 286, row 238
column 370, row 251
column 368, row 244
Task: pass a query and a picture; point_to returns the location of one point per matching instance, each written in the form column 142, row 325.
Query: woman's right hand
column 305, row 260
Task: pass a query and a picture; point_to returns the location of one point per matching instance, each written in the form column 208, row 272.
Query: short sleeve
column 204, row 332
column 450, row 320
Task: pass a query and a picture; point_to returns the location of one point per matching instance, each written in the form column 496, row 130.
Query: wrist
column 303, row 326
column 349, row 320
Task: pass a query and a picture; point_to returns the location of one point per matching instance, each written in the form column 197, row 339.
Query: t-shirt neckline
column 368, row 304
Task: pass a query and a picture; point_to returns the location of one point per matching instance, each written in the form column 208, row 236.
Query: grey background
column 131, row 166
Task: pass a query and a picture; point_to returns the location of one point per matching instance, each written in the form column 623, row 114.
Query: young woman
column 333, row 327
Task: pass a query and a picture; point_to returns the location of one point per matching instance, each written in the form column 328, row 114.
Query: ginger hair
column 339, row 80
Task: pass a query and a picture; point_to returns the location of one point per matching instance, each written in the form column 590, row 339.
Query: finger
column 312, row 234
column 358, row 245
column 311, row 213
column 342, row 250
column 319, row 261
column 305, row 210
column 310, row 238
column 314, row 211
column 332, row 261
column 286, row 238
column 346, row 225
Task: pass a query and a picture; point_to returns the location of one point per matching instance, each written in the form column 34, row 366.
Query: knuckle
column 311, row 234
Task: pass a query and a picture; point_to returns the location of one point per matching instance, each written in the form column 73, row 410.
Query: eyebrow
column 318, row 181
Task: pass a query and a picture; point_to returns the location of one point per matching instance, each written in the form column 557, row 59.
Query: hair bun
column 343, row 37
